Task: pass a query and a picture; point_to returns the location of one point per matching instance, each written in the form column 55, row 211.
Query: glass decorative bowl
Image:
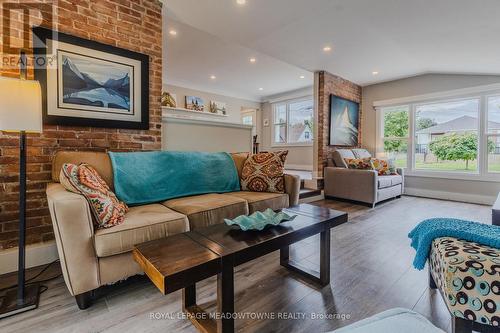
column 259, row 220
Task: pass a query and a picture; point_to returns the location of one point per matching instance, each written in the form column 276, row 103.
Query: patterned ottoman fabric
column 468, row 274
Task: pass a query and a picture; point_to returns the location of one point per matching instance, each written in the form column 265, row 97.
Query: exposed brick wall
column 331, row 84
column 131, row 24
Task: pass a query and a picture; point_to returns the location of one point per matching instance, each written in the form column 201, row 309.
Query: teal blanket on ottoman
column 147, row 177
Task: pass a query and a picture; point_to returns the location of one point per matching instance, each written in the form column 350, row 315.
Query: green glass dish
column 259, row 220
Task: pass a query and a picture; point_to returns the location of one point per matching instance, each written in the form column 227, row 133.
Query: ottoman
column 467, row 275
column 396, row 320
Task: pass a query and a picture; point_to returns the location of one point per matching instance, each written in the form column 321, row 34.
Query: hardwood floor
column 371, row 271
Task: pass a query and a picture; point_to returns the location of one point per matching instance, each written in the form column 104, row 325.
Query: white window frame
column 482, row 93
column 407, row 139
column 287, row 103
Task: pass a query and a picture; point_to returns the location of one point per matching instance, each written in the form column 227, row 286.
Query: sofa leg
column 432, row 283
column 460, row 325
column 84, row 300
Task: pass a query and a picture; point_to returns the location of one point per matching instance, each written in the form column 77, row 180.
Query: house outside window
column 457, row 136
column 293, row 122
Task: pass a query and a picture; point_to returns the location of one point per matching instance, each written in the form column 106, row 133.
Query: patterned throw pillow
column 84, row 179
column 263, row 172
column 384, row 167
column 359, row 163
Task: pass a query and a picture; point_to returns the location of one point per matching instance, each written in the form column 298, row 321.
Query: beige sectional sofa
column 92, row 258
column 359, row 185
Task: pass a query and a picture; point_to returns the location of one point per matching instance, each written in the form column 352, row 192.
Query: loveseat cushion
column 260, row 201
column 142, row 224
column 208, row 209
column 340, row 155
column 388, row 181
column 361, row 153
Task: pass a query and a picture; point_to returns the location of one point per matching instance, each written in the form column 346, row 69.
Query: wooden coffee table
column 178, row 262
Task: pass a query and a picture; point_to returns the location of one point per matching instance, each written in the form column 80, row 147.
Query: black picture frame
column 358, row 124
column 40, row 53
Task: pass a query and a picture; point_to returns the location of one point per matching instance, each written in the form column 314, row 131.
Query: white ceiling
column 193, row 56
column 397, row 38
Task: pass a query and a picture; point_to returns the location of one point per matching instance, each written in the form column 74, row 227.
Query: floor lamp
column 20, row 112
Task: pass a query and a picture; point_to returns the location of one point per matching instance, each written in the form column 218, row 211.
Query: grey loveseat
column 359, row 185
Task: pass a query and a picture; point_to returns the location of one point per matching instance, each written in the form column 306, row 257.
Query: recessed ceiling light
column 241, row 2
column 327, row 48
column 173, row 32
column 261, row 89
column 213, row 77
column 302, row 77
column 253, row 60
column 374, row 73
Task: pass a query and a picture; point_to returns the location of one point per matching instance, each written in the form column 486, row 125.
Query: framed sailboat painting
column 344, row 122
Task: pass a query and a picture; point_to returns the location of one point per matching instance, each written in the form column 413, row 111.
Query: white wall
column 462, row 190
column 233, row 105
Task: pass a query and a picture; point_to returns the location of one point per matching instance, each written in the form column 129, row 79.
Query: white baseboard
column 453, row 196
column 36, row 255
column 301, row 167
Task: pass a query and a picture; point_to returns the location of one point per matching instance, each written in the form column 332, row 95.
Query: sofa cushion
column 340, row 155
column 388, row 181
column 361, row 153
column 260, row 201
column 142, row 224
column 99, row 161
column 263, row 172
column 208, row 209
column 384, row 167
column 359, row 163
column 239, row 161
column 108, row 211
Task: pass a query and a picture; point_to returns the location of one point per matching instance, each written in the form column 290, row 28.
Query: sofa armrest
column 351, row 184
column 74, row 234
column 401, row 172
column 292, row 188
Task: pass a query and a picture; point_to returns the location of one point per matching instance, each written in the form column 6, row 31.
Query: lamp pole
column 22, row 219
column 22, row 199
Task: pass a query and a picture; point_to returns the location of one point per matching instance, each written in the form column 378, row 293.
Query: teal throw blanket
column 426, row 231
column 148, row 177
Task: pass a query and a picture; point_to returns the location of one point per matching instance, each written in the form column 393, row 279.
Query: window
column 493, row 134
column 453, row 137
column 396, row 134
column 293, row 122
column 446, row 136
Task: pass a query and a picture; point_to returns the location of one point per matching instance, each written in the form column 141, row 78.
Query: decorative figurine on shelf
column 168, row 100
column 255, row 145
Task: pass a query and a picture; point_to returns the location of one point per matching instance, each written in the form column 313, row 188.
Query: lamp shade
column 20, row 105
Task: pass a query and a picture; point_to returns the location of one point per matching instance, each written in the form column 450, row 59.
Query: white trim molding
column 452, row 196
column 36, row 255
column 438, row 95
column 202, row 121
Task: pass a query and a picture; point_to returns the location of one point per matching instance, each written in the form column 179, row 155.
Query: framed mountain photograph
column 344, row 122
column 85, row 83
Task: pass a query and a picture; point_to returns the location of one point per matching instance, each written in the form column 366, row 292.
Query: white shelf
column 193, row 111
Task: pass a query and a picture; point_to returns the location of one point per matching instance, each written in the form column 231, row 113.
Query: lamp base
column 9, row 306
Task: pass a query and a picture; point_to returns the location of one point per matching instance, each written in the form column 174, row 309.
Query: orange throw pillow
column 263, row 172
column 85, row 180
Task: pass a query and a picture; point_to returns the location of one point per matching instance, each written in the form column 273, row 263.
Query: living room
column 250, row 166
